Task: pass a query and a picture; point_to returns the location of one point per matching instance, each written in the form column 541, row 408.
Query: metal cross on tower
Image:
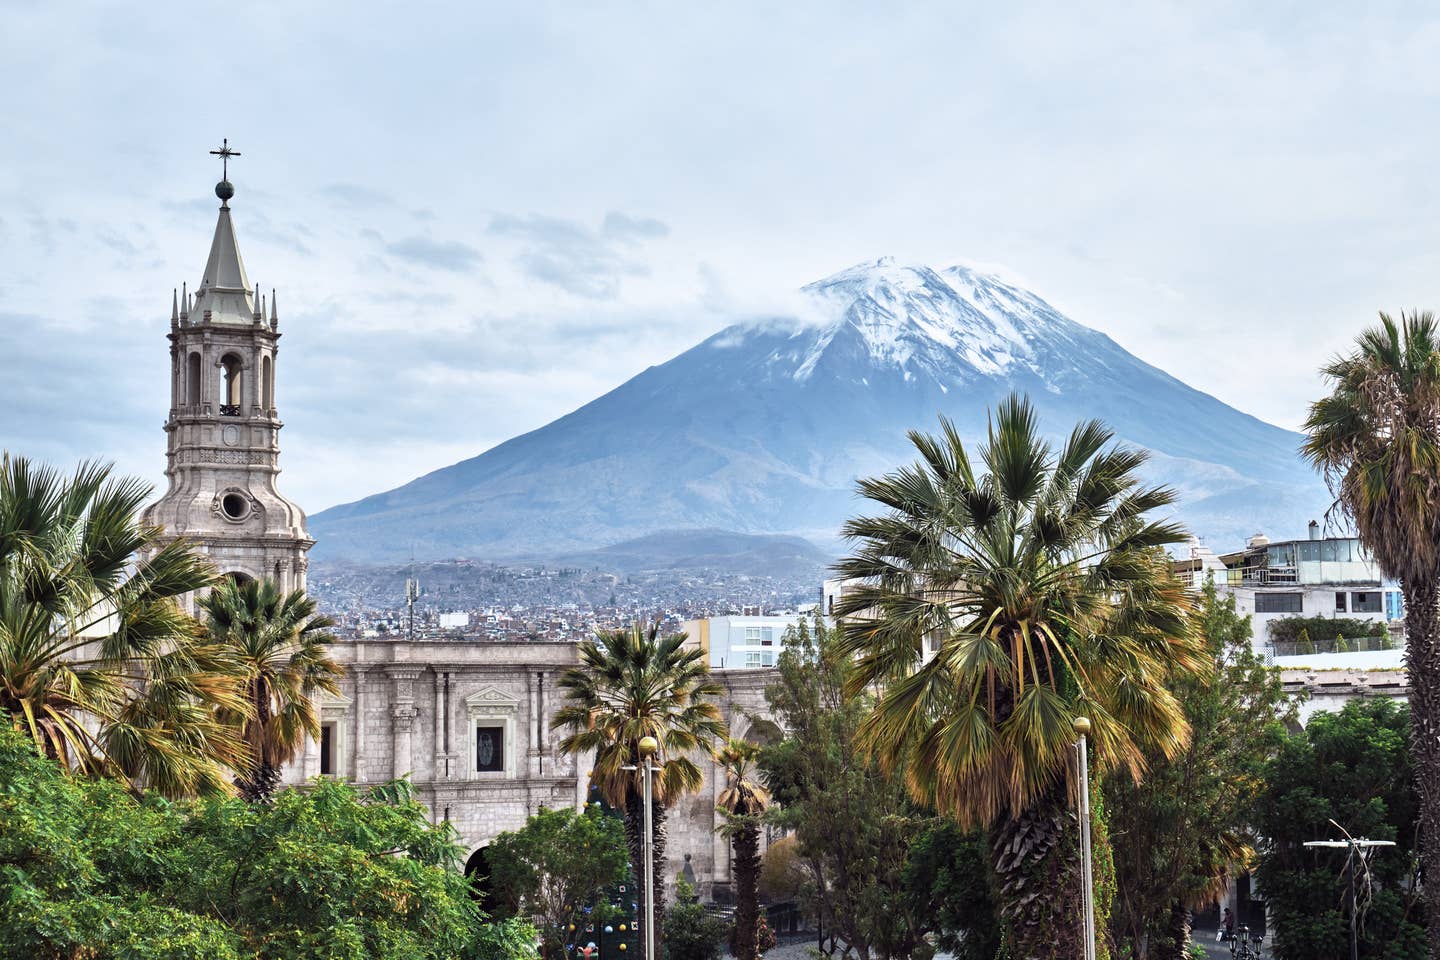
column 225, row 153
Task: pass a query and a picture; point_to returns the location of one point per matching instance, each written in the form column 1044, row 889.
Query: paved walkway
column 800, row 949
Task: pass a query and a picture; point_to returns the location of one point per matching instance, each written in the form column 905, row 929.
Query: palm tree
column 991, row 609
column 98, row 662
column 631, row 684
column 742, row 802
column 1376, row 438
column 278, row 642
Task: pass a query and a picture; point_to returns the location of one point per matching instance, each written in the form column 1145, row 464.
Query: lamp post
column 648, row 746
column 1087, row 881
column 1355, row 847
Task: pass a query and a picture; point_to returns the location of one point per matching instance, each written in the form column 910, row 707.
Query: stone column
column 438, row 725
column 357, row 767
column 402, row 719
column 532, row 694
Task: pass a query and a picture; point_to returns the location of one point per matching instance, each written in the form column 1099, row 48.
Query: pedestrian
column 1228, row 924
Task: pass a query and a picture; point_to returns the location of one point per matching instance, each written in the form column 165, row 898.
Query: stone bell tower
column 223, row 433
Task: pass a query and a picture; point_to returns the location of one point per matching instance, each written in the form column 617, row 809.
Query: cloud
column 577, row 259
column 355, row 195
column 449, row 255
column 625, row 227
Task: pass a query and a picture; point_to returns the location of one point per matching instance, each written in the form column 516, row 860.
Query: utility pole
column 1357, row 850
column 647, row 748
column 1087, row 881
column 412, row 593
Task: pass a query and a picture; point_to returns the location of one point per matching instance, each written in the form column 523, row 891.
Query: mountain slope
column 763, row 428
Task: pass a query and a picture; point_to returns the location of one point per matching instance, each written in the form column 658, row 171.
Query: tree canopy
column 1352, row 768
column 556, row 868
column 89, row 870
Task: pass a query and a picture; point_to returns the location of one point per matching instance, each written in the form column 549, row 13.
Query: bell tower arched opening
column 267, row 385
column 230, row 386
column 192, row 380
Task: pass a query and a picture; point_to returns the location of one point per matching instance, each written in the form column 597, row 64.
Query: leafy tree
column 993, row 608
column 782, row 874
column 1183, row 829
column 98, row 663
column 947, row 875
column 631, row 684
column 89, row 870
column 1352, row 768
column 277, row 643
column 556, row 868
column 742, row 802
column 853, row 825
column 1376, row 438
column 691, row 932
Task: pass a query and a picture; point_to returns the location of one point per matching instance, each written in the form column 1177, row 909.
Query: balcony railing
column 1336, row 645
column 229, row 409
column 1252, row 576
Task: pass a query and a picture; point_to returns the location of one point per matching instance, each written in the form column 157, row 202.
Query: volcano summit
column 764, row 427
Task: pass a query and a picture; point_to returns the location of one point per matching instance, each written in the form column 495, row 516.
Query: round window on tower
column 235, row 506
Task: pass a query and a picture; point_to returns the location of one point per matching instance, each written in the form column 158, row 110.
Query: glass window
column 1366, row 602
column 1310, row 551
column 767, row 659
column 1340, row 601
column 489, row 749
column 1327, row 550
column 752, row 658
column 752, row 633
column 1278, row 602
column 767, row 634
column 327, row 750
column 1282, row 555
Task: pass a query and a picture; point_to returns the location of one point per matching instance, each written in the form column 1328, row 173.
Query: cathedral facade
column 467, row 721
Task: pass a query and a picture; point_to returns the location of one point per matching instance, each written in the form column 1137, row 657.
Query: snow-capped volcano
column 764, row 427
column 920, row 320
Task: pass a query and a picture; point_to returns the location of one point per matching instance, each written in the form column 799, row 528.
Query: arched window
column 192, row 380
column 267, row 385
column 230, row 388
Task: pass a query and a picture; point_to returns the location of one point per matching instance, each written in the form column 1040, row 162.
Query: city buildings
column 740, row 642
column 1333, row 578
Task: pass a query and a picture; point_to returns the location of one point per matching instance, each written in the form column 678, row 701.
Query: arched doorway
column 477, row 870
column 763, row 732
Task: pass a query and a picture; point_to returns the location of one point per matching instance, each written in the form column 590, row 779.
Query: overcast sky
column 479, row 216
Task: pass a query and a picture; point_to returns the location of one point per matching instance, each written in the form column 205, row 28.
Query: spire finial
column 273, row 318
column 174, row 305
column 184, row 302
column 225, row 189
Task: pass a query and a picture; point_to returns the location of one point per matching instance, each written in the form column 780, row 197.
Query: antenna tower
column 412, row 593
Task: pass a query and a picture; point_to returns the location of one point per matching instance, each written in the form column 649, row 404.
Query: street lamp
column 1355, row 847
column 1087, row 892
column 648, row 746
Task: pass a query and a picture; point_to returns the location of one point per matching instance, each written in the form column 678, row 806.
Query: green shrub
column 691, row 933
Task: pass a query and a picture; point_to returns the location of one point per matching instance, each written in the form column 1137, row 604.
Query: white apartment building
column 743, row 642
column 1331, row 577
